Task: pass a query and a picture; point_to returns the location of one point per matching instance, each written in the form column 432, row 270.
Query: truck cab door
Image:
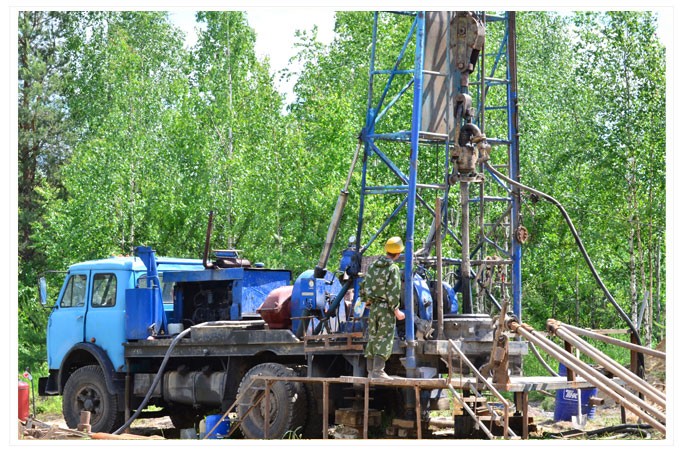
column 105, row 325
column 66, row 326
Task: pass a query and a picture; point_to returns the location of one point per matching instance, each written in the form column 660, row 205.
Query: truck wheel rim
column 89, row 399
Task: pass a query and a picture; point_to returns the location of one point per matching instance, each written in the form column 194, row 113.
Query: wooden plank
column 366, row 409
column 418, row 412
column 326, row 407
column 356, row 347
column 612, row 331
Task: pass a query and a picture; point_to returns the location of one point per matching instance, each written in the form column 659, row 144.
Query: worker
column 382, row 292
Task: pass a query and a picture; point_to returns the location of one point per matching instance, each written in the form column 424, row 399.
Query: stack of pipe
column 652, row 411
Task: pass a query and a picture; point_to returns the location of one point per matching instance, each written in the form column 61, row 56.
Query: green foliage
column 139, row 138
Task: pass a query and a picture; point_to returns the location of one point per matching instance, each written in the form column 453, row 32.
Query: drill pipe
column 608, row 363
column 610, row 340
column 613, row 390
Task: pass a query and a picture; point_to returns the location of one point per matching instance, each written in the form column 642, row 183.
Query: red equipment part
column 276, row 308
column 23, row 401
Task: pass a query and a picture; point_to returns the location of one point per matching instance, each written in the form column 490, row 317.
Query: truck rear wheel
column 86, row 390
column 287, row 400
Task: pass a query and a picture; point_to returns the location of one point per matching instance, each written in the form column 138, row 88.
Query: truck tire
column 288, row 404
column 314, row 424
column 86, row 390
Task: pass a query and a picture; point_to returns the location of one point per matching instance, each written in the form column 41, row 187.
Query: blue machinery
column 453, row 85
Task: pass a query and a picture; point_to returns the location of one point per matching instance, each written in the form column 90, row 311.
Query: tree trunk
column 632, row 273
column 576, row 306
column 659, row 280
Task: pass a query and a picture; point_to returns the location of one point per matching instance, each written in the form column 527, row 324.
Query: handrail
column 494, row 391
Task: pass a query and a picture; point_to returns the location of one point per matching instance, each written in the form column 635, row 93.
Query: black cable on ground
column 628, row 428
column 155, row 382
column 622, row 314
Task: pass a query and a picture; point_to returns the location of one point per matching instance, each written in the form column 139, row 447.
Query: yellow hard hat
column 394, row 245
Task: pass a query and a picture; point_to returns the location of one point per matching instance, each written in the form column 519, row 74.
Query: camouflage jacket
column 382, row 283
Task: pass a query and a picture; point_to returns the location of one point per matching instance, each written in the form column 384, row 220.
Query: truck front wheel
column 86, row 390
column 287, row 403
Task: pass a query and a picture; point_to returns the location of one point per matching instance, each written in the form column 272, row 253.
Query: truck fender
column 84, row 354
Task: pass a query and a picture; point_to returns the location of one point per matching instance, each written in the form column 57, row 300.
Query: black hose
column 155, row 382
column 628, row 428
column 542, row 361
column 622, row 314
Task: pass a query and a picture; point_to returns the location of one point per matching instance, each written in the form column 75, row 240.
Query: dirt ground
column 605, row 416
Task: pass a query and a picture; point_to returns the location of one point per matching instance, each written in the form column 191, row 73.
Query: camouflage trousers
column 381, row 325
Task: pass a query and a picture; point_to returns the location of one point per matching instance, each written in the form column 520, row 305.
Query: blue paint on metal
column 412, row 183
column 387, row 161
column 303, row 294
column 403, row 136
column 314, row 294
column 325, row 291
column 424, row 297
column 498, row 181
column 386, row 191
column 396, row 64
column 153, row 293
column 452, row 297
column 514, row 175
column 394, row 99
column 222, row 274
column 384, row 225
column 250, row 286
column 409, row 180
column 256, row 285
column 393, row 72
column 140, row 312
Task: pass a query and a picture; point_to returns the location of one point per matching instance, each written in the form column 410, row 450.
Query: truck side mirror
column 42, row 289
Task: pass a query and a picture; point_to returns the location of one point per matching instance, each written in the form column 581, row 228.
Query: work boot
column 369, row 361
column 378, row 371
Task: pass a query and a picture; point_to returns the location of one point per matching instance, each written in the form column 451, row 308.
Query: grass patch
column 47, row 405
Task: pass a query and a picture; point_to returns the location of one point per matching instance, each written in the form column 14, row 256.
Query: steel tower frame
column 398, row 80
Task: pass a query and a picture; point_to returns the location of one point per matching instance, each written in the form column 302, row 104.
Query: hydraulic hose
column 542, row 361
column 155, row 382
column 622, row 314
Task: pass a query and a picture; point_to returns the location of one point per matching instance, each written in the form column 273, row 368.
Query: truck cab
column 87, row 325
column 91, row 307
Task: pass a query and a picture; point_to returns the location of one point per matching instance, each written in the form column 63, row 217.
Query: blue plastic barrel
column 566, row 401
column 221, row 431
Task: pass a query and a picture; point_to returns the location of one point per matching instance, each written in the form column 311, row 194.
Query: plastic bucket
column 221, row 431
column 566, row 401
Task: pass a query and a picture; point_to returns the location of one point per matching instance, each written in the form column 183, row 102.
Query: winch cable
column 155, row 382
column 622, row 314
